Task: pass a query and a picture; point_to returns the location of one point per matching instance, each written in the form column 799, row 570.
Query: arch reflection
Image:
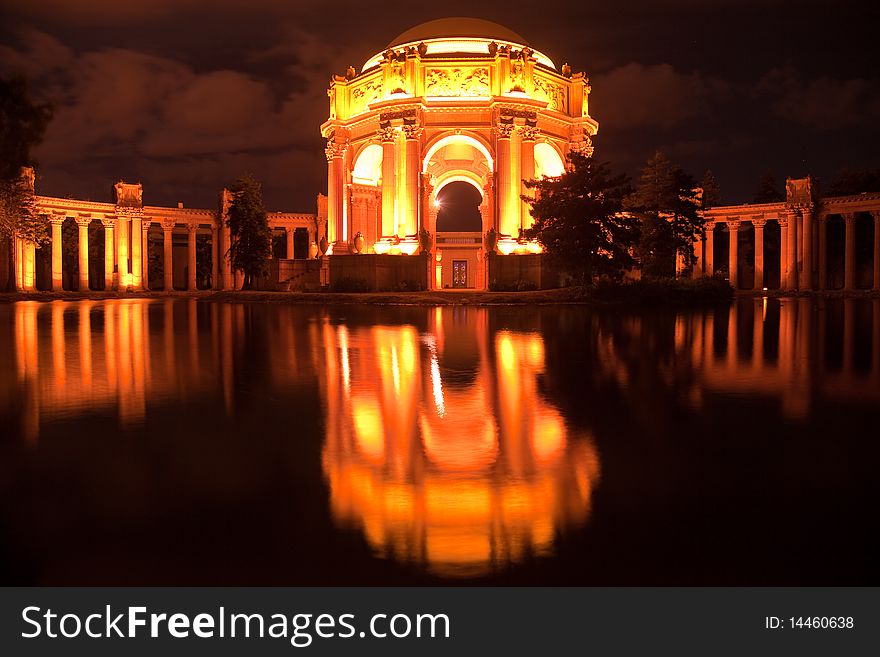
column 460, row 478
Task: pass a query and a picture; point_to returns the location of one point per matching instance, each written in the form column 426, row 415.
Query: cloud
column 124, row 112
column 824, row 103
column 638, row 96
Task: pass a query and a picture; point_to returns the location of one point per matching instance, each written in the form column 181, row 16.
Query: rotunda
column 456, row 100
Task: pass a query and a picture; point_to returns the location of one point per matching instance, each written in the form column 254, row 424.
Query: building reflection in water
column 87, row 357
column 794, row 350
column 441, row 443
column 462, row 474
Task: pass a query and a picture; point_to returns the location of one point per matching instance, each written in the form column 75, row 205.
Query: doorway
column 459, row 273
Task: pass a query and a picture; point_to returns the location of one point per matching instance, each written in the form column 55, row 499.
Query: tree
column 22, row 125
column 249, row 226
column 768, row 190
column 578, row 219
column 666, row 203
column 855, row 181
column 711, row 191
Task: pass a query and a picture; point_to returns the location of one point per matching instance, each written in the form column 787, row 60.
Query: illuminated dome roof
column 458, row 27
column 458, row 36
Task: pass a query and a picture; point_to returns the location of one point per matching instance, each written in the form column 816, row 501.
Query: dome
column 458, row 27
column 457, row 36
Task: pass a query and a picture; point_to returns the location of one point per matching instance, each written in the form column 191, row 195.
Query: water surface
column 188, row 442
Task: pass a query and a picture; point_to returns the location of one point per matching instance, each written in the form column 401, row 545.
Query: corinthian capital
column 334, row 149
column 504, row 130
column 528, row 132
column 583, row 147
column 413, row 131
column 387, row 133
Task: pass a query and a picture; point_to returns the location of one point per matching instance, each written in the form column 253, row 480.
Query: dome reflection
column 460, row 480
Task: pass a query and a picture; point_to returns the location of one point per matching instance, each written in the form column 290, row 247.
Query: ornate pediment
column 129, row 195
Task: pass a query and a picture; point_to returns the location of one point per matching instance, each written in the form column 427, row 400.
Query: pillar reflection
column 72, row 359
column 802, row 349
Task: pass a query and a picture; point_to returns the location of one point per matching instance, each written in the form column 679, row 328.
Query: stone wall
column 293, row 275
column 522, row 272
column 378, row 272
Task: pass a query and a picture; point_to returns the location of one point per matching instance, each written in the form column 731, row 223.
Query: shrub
column 518, row 285
column 350, row 284
column 663, row 291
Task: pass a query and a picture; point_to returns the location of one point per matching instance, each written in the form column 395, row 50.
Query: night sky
column 185, row 95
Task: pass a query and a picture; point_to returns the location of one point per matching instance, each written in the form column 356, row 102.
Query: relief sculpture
column 553, row 93
column 457, row 82
column 365, row 94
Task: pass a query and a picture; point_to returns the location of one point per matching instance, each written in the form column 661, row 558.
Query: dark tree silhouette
column 666, row 202
column 251, row 236
column 768, row 190
column 579, row 222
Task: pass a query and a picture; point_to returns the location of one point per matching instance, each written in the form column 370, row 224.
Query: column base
column 339, row 248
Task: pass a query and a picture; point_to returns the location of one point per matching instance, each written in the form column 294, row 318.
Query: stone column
column 57, row 260
column 215, row 259
column 227, row 280
column 429, row 219
column 527, row 170
column 168, row 255
column 849, row 280
column 710, row 248
column 783, row 253
column 508, row 183
column 191, row 279
column 137, row 243
column 122, row 277
column 335, row 153
column 791, row 252
column 110, row 282
column 389, row 183
column 823, row 252
column 733, row 253
column 29, row 269
column 145, row 254
column 759, row 253
column 699, row 245
column 83, row 225
column 288, row 233
column 876, row 282
column 413, row 169
column 806, row 277
column 17, row 258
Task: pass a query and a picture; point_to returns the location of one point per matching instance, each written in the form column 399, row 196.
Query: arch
column 458, row 176
column 453, row 139
column 367, row 168
column 548, row 161
column 459, row 209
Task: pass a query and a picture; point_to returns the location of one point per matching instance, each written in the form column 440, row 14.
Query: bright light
column 437, row 203
column 509, row 245
column 409, row 245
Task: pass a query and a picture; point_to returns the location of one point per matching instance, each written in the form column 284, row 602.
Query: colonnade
column 803, row 248
column 126, row 244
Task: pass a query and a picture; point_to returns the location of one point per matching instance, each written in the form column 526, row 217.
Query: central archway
column 460, row 170
column 458, row 208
